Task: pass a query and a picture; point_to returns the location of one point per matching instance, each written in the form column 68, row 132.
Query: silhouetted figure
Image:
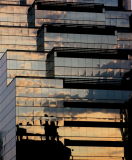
column 53, row 130
column 47, row 130
column 20, row 132
column 50, row 129
column 41, row 122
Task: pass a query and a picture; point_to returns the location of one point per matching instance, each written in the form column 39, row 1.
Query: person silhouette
column 20, row 132
column 53, row 130
column 47, row 130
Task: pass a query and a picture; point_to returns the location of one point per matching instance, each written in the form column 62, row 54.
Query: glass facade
column 65, row 79
column 25, row 63
column 78, row 40
column 120, row 19
column 80, row 66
